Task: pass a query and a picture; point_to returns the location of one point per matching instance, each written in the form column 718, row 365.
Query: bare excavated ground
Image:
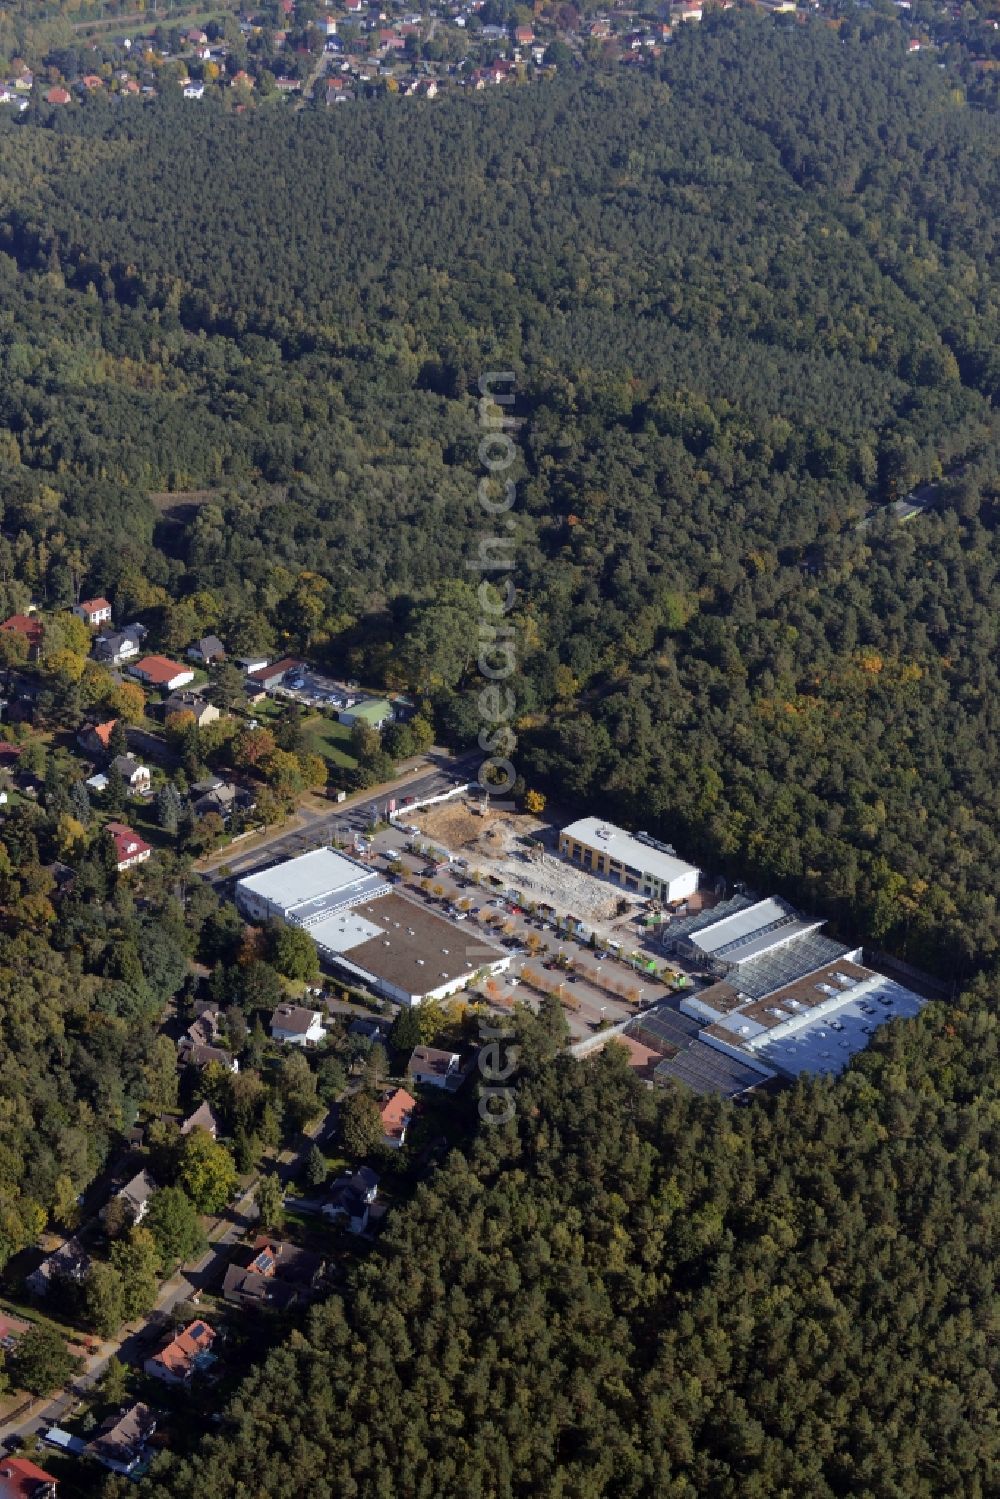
column 500, row 844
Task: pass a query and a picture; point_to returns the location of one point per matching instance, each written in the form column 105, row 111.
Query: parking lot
column 314, row 690
column 595, row 986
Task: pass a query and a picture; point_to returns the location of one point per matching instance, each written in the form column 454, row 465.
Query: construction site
column 515, row 852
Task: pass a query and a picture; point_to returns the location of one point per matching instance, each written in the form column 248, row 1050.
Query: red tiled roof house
column 397, row 1111
column 129, row 847
column 159, row 671
column 93, row 612
column 184, row 1356
column 31, row 630
column 20, row 1478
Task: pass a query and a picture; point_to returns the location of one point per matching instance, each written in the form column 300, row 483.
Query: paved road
column 340, row 823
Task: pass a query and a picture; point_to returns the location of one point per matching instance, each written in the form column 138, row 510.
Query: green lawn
column 332, row 740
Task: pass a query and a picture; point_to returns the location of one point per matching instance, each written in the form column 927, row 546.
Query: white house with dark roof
column 350, row 1199
column 431, row 1067
column 135, row 776
column 135, row 1195
column 294, row 1025
column 120, row 1442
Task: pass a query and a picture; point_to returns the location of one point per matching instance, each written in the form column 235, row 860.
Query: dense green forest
column 736, row 331
column 750, row 299
column 627, row 1293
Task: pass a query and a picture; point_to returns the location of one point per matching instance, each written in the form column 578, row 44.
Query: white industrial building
column 396, row 946
column 304, row 891
column 633, row 860
column 813, row 1025
column 786, row 999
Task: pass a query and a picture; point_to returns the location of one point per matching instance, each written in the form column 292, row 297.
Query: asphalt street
column 341, row 823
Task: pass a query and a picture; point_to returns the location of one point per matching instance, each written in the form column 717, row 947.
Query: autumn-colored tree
column 252, row 747
column 178, row 725
column 128, row 701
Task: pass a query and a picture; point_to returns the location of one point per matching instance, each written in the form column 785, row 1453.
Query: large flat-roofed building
column 633, row 860
column 404, row 951
column 813, row 1025
column 396, row 946
column 787, row 1000
column 305, row 891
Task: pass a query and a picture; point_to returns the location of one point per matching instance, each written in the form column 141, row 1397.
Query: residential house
column 220, row 796
column 121, row 1441
column 199, row 1055
column 31, row 631
column 135, row 776
column 22, row 697
column 57, row 95
column 369, row 1027
column 246, row 1288
column 215, row 796
column 129, row 847
column 97, row 782
column 272, row 1274
column 159, row 671
column 350, row 1199
column 296, row 1025
column 70, row 1262
column 300, row 1267
column 191, row 702
column 207, row 650
column 431, row 1068
column 206, row 1027
column 93, row 612
column 251, row 664
column 396, row 1111
column 20, row 1478
column 403, row 708
column 115, row 647
column 193, row 90
column 187, row 1354
column 135, row 1195
column 202, row 1118
column 95, row 738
